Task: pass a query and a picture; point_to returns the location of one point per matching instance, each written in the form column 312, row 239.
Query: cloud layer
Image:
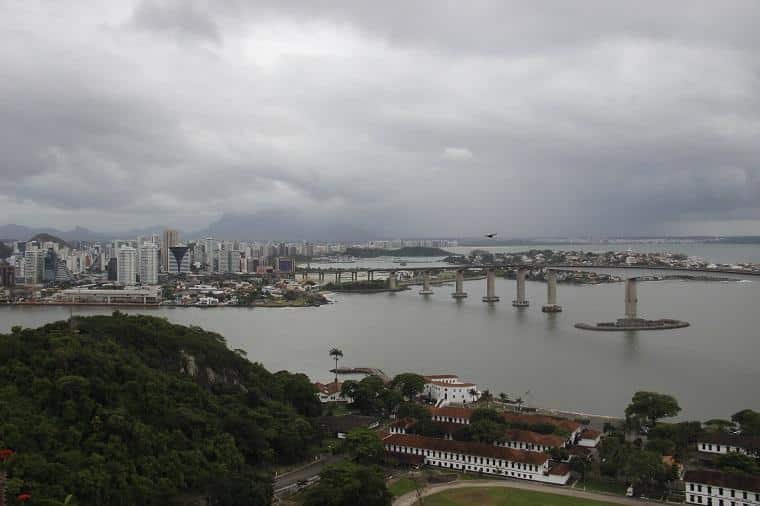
column 406, row 118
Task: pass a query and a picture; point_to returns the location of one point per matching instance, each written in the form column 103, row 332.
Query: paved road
column 410, row 498
column 286, row 480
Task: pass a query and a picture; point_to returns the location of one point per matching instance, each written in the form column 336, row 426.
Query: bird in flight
column 491, row 236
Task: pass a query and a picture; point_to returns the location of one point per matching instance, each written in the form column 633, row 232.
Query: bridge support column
column 392, row 280
column 459, row 292
column 321, row 276
column 426, row 290
column 337, row 278
column 551, row 293
column 631, row 299
column 520, row 301
column 491, row 287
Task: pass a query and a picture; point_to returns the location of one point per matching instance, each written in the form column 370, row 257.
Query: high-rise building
column 7, row 275
column 126, row 266
column 171, row 238
column 111, row 269
column 34, row 265
column 149, row 264
column 179, row 260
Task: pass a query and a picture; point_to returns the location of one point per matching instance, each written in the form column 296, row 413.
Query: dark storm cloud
column 414, row 118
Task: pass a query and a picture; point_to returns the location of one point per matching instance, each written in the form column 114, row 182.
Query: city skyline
column 419, row 120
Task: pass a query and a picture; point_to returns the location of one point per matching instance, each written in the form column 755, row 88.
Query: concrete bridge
column 520, row 300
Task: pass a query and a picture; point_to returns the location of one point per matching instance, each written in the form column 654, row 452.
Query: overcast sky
column 405, row 118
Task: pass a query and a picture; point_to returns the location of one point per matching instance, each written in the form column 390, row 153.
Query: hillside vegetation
column 130, row 410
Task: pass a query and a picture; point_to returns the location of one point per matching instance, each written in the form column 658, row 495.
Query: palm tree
column 337, row 354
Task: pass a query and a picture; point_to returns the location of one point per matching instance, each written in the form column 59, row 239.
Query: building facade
column 170, row 238
column 149, row 264
column 179, row 260
column 714, row 488
column 448, row 388
column 126, row 266
column 722, row 443
column 34, row 266
column 477, row 457
column 7, row 275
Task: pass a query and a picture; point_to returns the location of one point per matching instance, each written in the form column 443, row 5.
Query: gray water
column 712, row 367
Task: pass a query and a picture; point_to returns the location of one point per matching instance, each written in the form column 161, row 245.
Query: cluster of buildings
column 718, row 488
column 520, row 453
column 626, row 258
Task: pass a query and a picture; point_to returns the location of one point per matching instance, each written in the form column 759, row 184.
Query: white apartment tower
column 149, row 264
column 126, row 265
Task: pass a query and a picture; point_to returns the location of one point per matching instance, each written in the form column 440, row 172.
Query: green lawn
column 402, row 486
column 498, row 496
column 603, row 485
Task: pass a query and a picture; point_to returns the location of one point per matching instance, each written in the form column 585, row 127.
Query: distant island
column 408, row 251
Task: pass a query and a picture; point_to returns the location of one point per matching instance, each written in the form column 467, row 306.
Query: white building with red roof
column 330, row 392
column 445, row 389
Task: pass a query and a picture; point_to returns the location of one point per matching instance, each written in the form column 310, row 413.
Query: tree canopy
column 651, row 406
column 409, row 384
column 349, row 484
column 135, row 410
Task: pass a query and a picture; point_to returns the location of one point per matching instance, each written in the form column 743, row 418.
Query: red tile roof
column 451, row 385
column 453, row 412
column 560, row 469
column 462, row 447
column 526, row 436
column 440, row 376
column 562, row 423
column 746, row 482
column 590, row 434
column 328, row 388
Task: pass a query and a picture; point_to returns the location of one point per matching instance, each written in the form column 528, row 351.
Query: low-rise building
column 129, row 295
column 714, row 488
column 331, row 392
column 447, row 388
column 531, row 441
column 589, row 438
column 477, row 457
column 723, row 442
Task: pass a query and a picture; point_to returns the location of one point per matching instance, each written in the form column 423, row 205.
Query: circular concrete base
column 426, row 292
column 520, row 303
column 459, row 295
column 551, row 308
column 491, row 299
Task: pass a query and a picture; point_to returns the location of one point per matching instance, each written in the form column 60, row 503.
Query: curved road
column 411, row 498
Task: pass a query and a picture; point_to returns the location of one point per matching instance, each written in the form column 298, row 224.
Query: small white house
column 445, row 389
column 330, row 392
column 589, row 438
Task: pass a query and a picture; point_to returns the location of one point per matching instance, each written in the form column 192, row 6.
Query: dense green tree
column 366, row 394
column 737, row 462
column 749, row 422
column 135, row 410
column 409, row 384
column 424, row 424
column 365, row 446
column 661, row 446
column 649, row 407
column 349, row 484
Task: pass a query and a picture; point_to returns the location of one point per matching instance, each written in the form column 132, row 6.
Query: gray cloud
column 411, row 119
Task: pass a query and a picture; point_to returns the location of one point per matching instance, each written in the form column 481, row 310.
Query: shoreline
column 157, row 306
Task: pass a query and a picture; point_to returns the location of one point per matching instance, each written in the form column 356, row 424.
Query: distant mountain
column 282, row 226
column 45, row 237
column 14, row 232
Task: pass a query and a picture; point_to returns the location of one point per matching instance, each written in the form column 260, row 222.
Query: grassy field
column 402, row 486
column 504, row 497
column 603, row 485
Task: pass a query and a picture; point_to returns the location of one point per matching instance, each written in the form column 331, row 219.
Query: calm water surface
column 712, row 367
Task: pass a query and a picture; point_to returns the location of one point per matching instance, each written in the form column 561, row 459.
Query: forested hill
column 128, row 410
column 408, row 251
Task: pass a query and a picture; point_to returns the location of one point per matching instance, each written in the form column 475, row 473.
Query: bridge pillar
column 551, row 293
column 392, row 280
column 520, row 301
column 491, row 287
column 459, row 292
column 631, row 299
column 337, row 278
column 321, row 276
column 370, row 275
column 426, row 290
